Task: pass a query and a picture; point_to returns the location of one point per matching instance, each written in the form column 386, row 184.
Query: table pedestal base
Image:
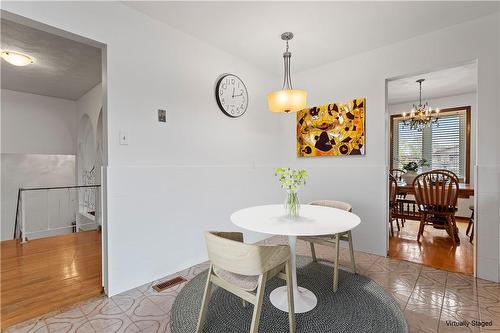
column 304, row 299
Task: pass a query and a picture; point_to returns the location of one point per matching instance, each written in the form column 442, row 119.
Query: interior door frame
column 388, row 152
column 104, row 72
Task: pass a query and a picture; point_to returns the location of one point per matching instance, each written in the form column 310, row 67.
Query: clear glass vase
column 292, row 204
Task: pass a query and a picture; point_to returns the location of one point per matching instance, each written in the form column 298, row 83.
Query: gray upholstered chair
column 332, row 240
column 243, row 269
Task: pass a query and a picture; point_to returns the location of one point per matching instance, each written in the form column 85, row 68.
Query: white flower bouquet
column 291, row 180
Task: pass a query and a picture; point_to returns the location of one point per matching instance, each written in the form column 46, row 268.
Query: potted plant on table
column 290, row 180
column 412, row 168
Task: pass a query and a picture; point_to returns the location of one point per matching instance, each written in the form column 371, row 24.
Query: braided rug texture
column 359, row 305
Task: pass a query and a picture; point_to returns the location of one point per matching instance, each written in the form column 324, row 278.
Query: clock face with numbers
column 231, row 95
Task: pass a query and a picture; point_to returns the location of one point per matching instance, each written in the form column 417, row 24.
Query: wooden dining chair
column 400, row 195
column 449, row 173
column 436, row 193
column 452, row 175
column 393, row 203
column 243, row 270
column 397, row 173
column 332, row 240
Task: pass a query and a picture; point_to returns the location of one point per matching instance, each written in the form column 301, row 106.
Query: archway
column 86, row 161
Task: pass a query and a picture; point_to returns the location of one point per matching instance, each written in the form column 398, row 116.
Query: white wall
column 364, row 75
column 90, row 104
column 34, row 124
column 175, row 180
column 89, row 149
column 450, row 102
column 88, row 110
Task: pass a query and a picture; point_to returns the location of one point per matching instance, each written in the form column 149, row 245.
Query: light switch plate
column 123, row 137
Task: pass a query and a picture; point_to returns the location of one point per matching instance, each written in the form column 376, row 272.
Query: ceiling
column 446, row 82
column 324, row 31
column 63, row 68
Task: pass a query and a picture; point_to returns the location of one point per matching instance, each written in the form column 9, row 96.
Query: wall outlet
column 123, row 138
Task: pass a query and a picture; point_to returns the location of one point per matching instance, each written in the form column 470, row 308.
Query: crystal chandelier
column 287, row 99
column 421, row 115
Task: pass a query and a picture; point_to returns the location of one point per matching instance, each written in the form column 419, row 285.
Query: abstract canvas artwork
column 332, row 129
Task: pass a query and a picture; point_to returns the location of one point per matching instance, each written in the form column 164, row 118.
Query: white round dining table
column 312, row 221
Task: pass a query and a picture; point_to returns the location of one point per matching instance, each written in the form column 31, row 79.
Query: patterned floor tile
column 147, row 313
column 82, row 327
column 96, row 305
column 127, row 302
column 164, row 301
column 37, row 325
column 113, row 323
column 422, row 317
column 69, row 315
column 67, row 325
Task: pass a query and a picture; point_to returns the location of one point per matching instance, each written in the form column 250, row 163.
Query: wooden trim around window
column 467, row 136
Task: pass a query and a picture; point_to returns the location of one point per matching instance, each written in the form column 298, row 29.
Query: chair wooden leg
column 289, row 289
column 204, row 303
column 468, row 227
column 254, row 328
column 471, row 221
column 421, row 227
column 336, row 264
column 455, row 229
column 391, row 223
column 451, row 229
column 313, row 252
column 401, row 209
column 397, row 224
column 471, row 238
column 351, row 251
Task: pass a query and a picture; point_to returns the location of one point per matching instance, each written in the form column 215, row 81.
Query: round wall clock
column 231, row 95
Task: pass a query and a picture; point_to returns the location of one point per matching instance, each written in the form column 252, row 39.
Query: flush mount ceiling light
column 287, row 99
column 17, row 58
column 421, row 115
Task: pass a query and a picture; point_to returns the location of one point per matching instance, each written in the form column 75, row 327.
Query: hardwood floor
column 435, row 248
column 48, row 274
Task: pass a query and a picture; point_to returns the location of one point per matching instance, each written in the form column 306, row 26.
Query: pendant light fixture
column 421, row 115
column 287, row 99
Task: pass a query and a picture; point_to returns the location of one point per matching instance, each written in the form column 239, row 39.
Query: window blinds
column 443, row 144
column 408, row 145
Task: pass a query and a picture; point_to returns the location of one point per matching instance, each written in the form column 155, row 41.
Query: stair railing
column 86, row 208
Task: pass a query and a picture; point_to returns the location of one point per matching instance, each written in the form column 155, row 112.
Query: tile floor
column 428, row 297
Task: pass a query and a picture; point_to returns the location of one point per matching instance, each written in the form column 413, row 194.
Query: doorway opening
column 53, row 164
column 420, row 228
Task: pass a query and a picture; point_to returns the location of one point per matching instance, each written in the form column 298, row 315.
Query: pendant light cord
column 420, row 95
column 287, row 80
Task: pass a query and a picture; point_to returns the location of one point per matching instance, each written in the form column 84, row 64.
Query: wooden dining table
column 465, row 191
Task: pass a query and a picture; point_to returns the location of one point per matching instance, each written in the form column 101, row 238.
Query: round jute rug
column 359, row 305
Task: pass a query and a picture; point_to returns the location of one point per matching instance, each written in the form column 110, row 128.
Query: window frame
column 467, row 110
